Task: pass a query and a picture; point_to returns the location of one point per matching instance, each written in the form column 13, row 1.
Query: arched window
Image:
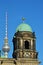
column 26, row 45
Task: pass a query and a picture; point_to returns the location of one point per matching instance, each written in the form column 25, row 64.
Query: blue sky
column 32, row 10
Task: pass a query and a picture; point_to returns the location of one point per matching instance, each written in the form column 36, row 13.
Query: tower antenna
column 6, row 26
column 6, row 47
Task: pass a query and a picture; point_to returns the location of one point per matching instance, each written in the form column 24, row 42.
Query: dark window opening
column 26, row 45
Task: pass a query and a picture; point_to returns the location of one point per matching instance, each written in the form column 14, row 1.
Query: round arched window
column 26, row 44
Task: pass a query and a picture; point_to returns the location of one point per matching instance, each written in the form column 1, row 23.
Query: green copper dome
column 24, row 27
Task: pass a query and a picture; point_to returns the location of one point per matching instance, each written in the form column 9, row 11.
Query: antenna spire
column 6, row 25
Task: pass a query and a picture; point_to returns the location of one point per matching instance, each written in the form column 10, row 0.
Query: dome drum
column 25, row 34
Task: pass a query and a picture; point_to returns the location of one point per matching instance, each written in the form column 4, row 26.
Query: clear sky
column 32, row 10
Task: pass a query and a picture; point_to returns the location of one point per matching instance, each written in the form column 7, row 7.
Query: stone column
column 31, row 44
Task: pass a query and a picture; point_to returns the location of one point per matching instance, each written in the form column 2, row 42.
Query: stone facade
column 19, row 61
column 5, row 61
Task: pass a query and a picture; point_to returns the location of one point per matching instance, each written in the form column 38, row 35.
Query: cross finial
column 23, row 19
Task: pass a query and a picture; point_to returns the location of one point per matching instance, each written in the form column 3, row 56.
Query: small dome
column 24, row 27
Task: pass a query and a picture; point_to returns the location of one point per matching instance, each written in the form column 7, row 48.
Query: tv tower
column 6, row 47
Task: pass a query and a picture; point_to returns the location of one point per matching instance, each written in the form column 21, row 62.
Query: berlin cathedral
column 24, row 47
